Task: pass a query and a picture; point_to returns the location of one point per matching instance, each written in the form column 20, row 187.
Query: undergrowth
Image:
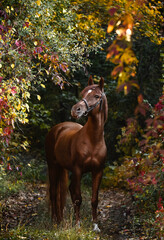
column 57, row 234
column 41, row 227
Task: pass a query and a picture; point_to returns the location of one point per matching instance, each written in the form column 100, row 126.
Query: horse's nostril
column 78, row 109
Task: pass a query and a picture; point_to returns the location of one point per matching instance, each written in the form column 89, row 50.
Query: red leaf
column 9, row 167
column 117, row 70
column 149, row 121
column 154, row 181
column 140, row 109
column 112, row 11
column 13, row 91
column 63, row 67
column 26, row 24
column 143, row 142
column 125, row 86
column 140, row 98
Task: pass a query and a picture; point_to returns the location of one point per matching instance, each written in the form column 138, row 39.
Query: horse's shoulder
column 65, row 128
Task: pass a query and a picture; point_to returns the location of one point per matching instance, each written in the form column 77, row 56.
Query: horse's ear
column 101, row 83
column 90, row 80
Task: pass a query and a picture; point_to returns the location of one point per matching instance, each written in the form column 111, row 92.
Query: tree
column 39, row 40
column 129, row 18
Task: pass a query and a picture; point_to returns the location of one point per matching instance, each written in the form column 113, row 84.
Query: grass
column 37, row 223
column 8, row 187
column 50, row 233
column 40, row 226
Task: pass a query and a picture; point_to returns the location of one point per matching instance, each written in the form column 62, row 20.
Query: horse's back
column 59, row 139
column 61, row 129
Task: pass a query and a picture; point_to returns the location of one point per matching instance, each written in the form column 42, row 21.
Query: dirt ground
column 115, row 212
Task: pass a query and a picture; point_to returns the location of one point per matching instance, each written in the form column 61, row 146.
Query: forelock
column 89, row 88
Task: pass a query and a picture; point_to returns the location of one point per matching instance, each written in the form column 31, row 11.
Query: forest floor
column 30, row 207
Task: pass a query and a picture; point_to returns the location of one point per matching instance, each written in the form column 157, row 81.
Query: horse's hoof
column 78, row 224
column 96, row 228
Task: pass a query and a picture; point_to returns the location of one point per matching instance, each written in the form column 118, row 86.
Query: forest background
column 48, row 50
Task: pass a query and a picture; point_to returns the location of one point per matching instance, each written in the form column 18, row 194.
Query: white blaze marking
column 89, row 91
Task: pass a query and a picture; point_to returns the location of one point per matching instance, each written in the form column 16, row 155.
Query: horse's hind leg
column 96, row 180
column 75, row 191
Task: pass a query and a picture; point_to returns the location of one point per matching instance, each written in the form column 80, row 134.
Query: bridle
column 90, row 108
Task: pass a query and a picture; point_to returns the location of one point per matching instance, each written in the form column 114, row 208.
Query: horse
column 79, row 149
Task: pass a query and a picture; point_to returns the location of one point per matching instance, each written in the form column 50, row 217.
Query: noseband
column 90, row 108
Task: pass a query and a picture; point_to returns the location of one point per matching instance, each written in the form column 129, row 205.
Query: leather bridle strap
column 89, row 108
column 86, row 103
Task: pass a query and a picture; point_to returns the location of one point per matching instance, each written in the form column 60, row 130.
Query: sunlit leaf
column 118, row 69
column 140, row 98
column 38, row 2
column 110, row 26
column 42, row 85
column 64, row 67
column 39, row 97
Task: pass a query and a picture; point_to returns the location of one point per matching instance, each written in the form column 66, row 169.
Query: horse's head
column 93, row 100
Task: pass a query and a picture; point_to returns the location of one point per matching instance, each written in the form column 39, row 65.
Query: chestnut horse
column 79, row 149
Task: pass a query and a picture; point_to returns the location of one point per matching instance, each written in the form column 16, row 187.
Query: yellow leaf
column 26, row 120
column 110, row 28
column 64, row 10
column 35, row 43
column 108, row 206
column 12, row 65
column 18, row 107
column 38, row 2
column 47, row 72
column 42, row 85
column 140, row 98
column 125, row 90
column 34, row 214
column 39, row 97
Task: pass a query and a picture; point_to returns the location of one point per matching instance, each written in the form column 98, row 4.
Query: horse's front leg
column 96, row 180
column 75, row 191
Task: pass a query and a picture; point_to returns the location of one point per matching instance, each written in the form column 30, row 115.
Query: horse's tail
column 58, row 181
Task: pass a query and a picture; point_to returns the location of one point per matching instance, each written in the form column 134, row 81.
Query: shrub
column 142, row 168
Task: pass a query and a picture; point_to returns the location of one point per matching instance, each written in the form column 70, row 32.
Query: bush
column 142, row 168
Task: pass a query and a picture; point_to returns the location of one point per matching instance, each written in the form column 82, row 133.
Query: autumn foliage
column 38, row 41
column 43, row 41
column 126, row 18
column 142, row 167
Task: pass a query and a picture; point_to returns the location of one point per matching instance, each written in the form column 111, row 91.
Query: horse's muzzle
column 77, row 111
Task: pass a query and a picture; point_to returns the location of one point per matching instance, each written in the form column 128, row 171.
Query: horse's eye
column 97, row 96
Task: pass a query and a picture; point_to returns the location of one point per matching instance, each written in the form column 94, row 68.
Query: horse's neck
column 94, row 127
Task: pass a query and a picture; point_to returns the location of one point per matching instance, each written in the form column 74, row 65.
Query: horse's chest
column 92, row 156
column 91, row 163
